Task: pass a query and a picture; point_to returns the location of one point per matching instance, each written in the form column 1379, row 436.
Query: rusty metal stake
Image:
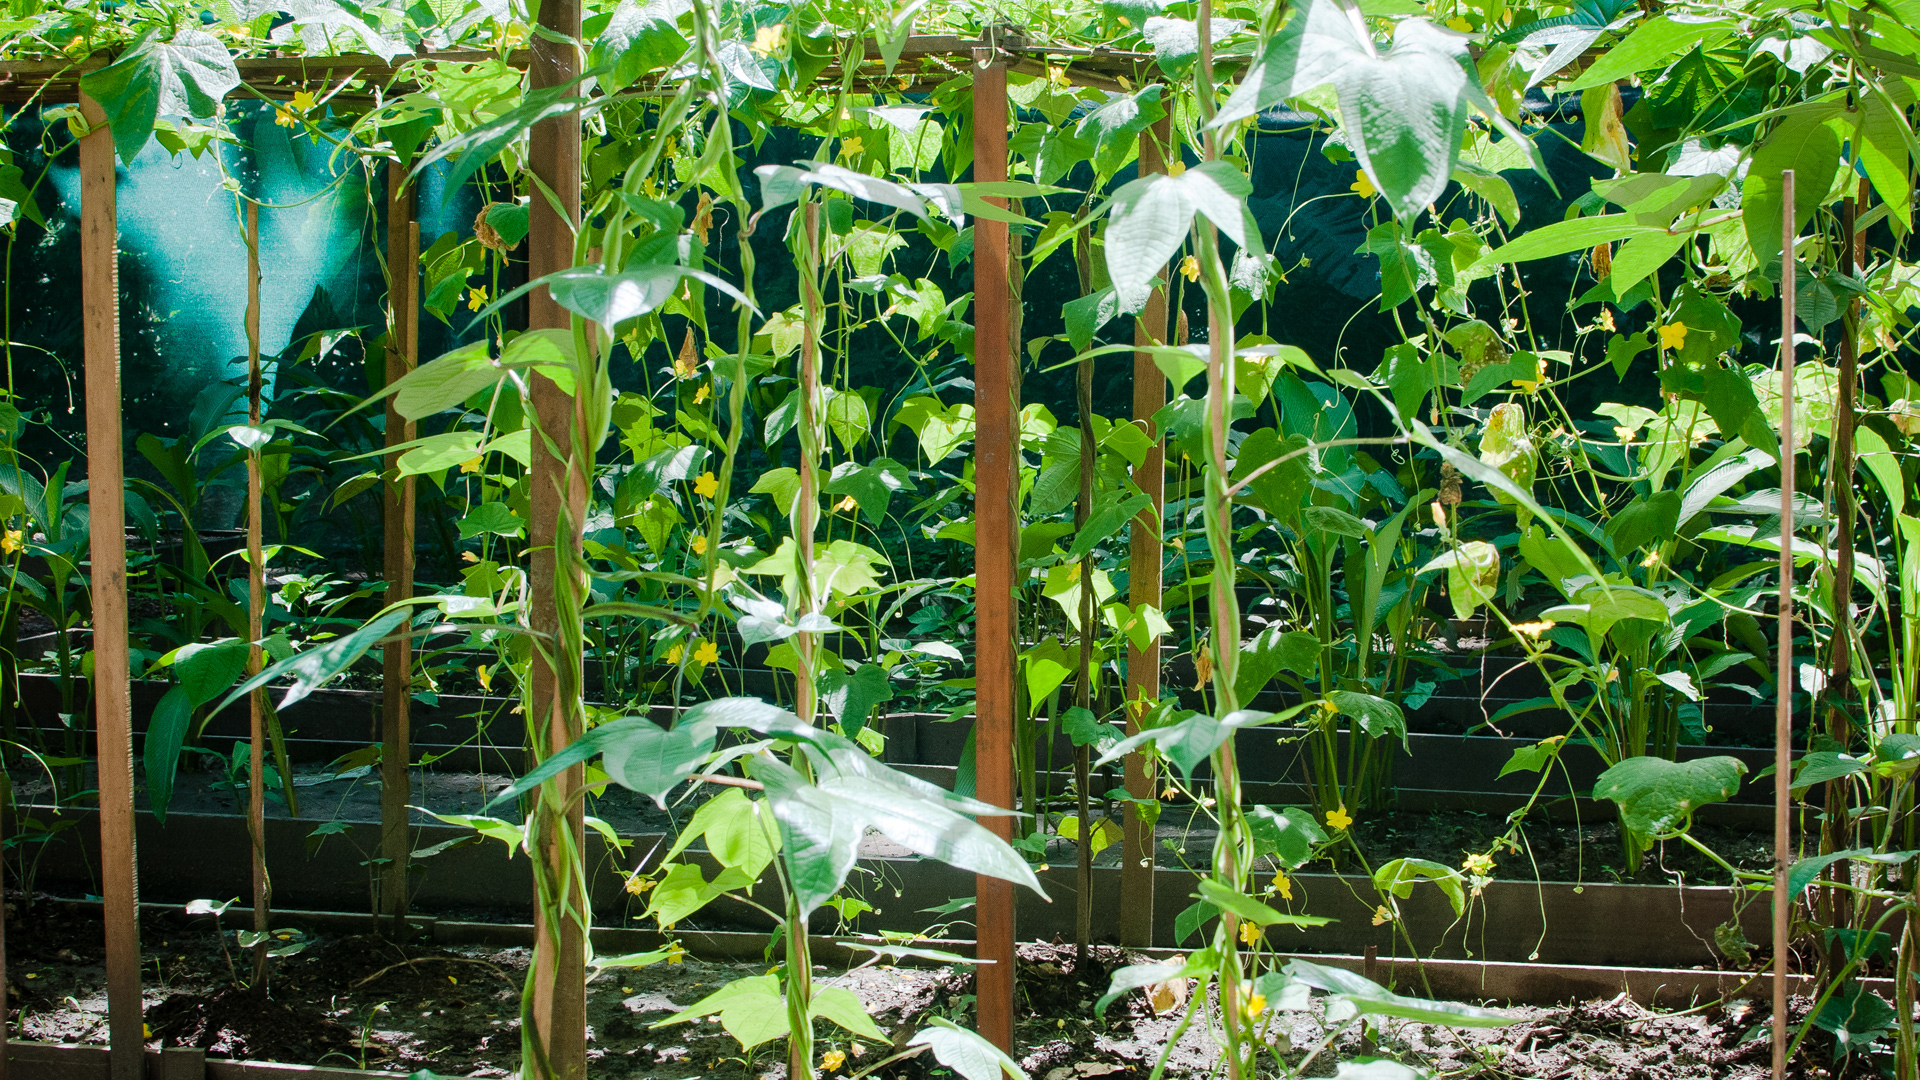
column 256, row 612
column 1783, row 674
column 396, row 659
column 1143, row 586
column 997, row 538
column 107, row 524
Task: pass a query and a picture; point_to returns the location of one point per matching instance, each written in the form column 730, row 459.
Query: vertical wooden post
column 256, row 612
column 106, row 508
column 396, row 657
column 558, row 488
column 996, row 450
column 1783, row 674
column 1143, row 585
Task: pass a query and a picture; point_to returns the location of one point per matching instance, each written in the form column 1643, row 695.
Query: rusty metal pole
column 996, row 542
column 1783, row 674
column 1143, row 585
column 106, row 508
column 396, row 657
column 256, row 612
column 557, row 489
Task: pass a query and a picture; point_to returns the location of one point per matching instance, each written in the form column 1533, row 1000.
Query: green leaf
column 1239, row 904
column 642, row 36
column 166, row 734
column 1805, row 871
column 1176, row 42
column 1114, row 125
column 1289, row 834
column 852, row 698
column 185, row 76
column 1473, row 573
column 1804, row 140
column 1134, row 976
column 844, row 1007
column 1370, row 998
column 1822, row 766
column 1652, row 44
column 1647, row 520
column 639, row 755
column 1534, row 758
column 1188, row 742
column 966, row 1053
column 316, row 666
column 1085, row 316
column 1657, row 797
column 1399, row 877
column 751, row 1010
column 490, row 519
column 782, row 184
column 1375, row 716
column 1270, row 652
column 207, row 671
column 1566, row 237
column 614, row 300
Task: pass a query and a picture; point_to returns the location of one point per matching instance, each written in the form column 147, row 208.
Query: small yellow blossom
column 1058, row 77
column 674, row 654
column 636, row 885
column 1256, row 1004
column 1478, row 863
column 1327, row 706
column 1363, row 185
column 285, row 118
column 700, row 395
column 770, row 39
column 1459, row 23
column 468, row 556
column 832, row 1060
column 1176, row 168
column 1673, row 335
column 1190, row 268
column 484, row 673
column 1283, row 885
column 1249, row 932
column 706, row 653
column 303, row 100
column 471, row 465
column 1381, row 916
column 675, row 953
column 706, row 486
column 1339, row 819
column 1170, row 792
column 847, row 504
column 1533, row 629
column 1606, row 319
column 13, row 541
column 1125, row 83
column 852, row 146
column 699, row 545
column 476, row 299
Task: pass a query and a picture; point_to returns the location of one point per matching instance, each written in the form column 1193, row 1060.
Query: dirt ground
column 361, row 1002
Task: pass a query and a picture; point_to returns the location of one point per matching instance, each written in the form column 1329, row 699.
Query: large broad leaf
column 751, row 1010
column 1806, row 141
column 1376, row 717
column 1657, row 797
column 640, row 755
column 965, row 1052
column 1564, row 238
column 1369, row 997
column 1188, row 742
column 314, row 667
column 1403, row 112
column 1240, row 905
column 1289, row 834
column 186, row 76
column 166, row 734
column 1399, row 877
column 612, row 300
column 1803, row 872
column 782, row 184
column 1272, row 651
column 1150, row 216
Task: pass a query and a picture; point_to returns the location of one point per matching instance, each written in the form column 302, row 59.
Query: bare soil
column 360, row 1001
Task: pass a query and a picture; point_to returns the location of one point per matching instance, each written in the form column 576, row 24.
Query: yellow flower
column 1190, row 268
column 1606, row 319
column 1673, row 335
column 706, row 653
column 770, row 39
column 471, row 465
column 847, row 504
column 302, row 100
column 476, row 299
column 484, row 673
column 1533, row 629
column 699, row 545
column 1176, row 168
column 1459, row 23
column 13, row 541
column 1363, row 185
column 1339, row 819
column 468, row 556
column 674, row 654
column 1478, row 863
column 285, row 118
column 832, row 1060
column 1381, row 916
column 1327, row 706
column 1058, row 77
column 706, row 486
column 1256, row 1004
column 637, row 884
column 675, row 953
column 700, row 395
column 1283, row 885
column 1249, row 932
column 852, row 146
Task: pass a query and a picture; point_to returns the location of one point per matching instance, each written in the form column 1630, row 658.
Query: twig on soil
column 441, row 959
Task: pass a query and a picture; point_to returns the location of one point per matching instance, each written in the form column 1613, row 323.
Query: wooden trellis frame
column 554, row 156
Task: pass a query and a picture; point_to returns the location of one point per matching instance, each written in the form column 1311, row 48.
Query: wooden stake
column 256, row 612
column 107, row 525
column 557, row 488
column 1143, row 585
column 997, row 538
column 1783, row 674
column 396, row 657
